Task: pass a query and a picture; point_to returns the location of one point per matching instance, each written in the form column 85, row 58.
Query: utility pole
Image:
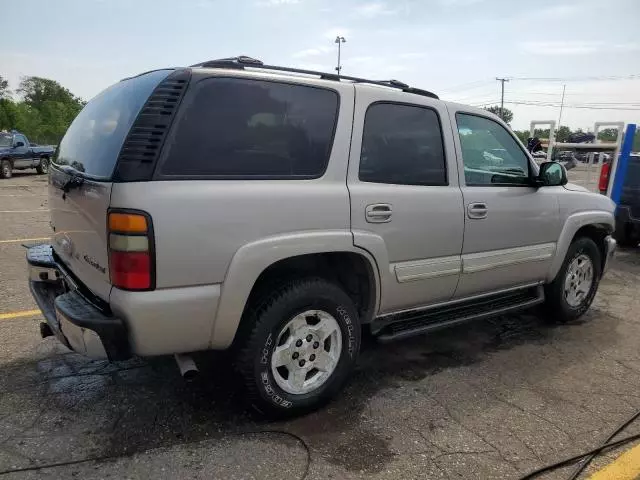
column 339, row 40
column 561, row 104
column 502, row 80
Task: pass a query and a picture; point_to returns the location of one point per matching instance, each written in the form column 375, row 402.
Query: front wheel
column 571, row 293
column 43, row 166
column 301, row 346
column 5, row 169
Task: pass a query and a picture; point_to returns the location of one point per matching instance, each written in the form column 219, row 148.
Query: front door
column 511, row 227
column 21, row 153
column 406, row 206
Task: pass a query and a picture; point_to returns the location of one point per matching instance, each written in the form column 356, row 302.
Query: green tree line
column 40, row 108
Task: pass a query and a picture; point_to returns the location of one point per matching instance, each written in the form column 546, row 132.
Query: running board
column 416, row 322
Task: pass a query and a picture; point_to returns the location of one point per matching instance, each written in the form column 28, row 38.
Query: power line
column 578, row 79
column 467, row 86
column 556, row 105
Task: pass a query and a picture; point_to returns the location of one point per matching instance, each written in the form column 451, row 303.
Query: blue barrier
column 623, row 161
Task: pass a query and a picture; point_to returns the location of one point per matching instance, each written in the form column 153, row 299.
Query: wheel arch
column 595, row 225
column 265, row 263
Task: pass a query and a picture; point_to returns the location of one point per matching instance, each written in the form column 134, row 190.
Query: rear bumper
column 610, row 249
column 73, row 319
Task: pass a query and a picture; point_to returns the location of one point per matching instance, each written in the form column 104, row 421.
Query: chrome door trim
column 429, row 268
column 480, row 262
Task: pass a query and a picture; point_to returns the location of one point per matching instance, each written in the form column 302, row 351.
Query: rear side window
column 402, row 144
column 239, row 128
column 94, row 139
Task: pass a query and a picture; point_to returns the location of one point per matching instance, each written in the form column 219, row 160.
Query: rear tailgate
column 79, row 219
column 80, row 178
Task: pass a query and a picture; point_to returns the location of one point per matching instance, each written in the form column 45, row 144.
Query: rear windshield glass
column 94, row 139
column 234, row 128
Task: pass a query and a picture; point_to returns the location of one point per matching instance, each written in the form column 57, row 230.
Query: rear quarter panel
column 200, row 226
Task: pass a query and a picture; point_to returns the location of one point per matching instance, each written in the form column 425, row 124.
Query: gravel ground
column 491, row 399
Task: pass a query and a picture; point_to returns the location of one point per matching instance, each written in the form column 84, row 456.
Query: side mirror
column 552, row 174
column 19, row 144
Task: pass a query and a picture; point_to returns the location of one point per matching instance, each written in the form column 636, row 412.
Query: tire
column 274, row 391
column 560, row 303
column 5, row 169
column 43, row 166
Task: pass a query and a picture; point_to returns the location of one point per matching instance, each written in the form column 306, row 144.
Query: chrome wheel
column 44, row 165
column 578, row 280
column 307, row 352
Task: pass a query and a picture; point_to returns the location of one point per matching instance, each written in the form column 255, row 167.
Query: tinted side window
column 254, row 129
column 490, row 154
column 402, row 144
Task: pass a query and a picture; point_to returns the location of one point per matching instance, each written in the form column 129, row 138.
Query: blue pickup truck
column 627, row 231
column 16, row 153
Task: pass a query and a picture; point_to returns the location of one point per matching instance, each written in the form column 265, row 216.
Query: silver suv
column 281, row 212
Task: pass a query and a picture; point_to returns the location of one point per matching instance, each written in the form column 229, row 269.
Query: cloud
column 277, row 3
column 337, row 31
column 458, row 3
column 412, row 55
column 362, row 59
column 569, row 47
column 626, row 47
column 555, row 11
column 373, row 9
column 312, row 52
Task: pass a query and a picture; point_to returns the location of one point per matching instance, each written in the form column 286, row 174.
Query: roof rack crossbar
column 243, row 61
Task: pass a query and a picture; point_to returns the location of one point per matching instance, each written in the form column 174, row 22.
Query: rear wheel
column 571, row 293
column 303, row 344
column 5, row 169
column 43, row 166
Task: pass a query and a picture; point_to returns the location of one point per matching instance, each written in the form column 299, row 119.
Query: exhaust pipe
column 187, row 366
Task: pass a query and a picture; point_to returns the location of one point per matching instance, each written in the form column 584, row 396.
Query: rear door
column 406, row 206
column 511, row 227
column 80, row 178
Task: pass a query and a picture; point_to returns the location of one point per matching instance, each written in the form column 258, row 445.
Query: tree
column 562, row 133
column 507, row 115
column 37, row 90
column 608, row 135
column 4, row 88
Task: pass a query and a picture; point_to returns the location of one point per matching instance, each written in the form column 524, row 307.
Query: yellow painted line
column 17, row 240
column 24, row 211
column 23, row 313
column 625, row 467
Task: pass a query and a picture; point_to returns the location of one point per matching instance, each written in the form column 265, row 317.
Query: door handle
column 477, row 210
column 378, row 213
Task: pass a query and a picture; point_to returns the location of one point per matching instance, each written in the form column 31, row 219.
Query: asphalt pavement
column 490, row 399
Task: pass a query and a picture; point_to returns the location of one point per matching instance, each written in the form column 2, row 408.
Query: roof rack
column 243, row 61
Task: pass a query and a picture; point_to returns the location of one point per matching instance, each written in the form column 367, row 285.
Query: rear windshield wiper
column 75, row 179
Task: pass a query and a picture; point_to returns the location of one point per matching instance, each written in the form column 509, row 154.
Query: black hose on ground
column 590, row 455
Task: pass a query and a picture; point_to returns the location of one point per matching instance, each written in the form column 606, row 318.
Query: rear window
column 238, row 128
column 94, row 139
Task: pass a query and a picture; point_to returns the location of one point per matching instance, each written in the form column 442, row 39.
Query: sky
column 455, row 48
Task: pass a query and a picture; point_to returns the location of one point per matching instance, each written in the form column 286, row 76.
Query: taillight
column 131, row 262
column 603, row 183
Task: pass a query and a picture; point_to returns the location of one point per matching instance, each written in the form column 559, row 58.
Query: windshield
column 94, row 139
column 5, row 140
